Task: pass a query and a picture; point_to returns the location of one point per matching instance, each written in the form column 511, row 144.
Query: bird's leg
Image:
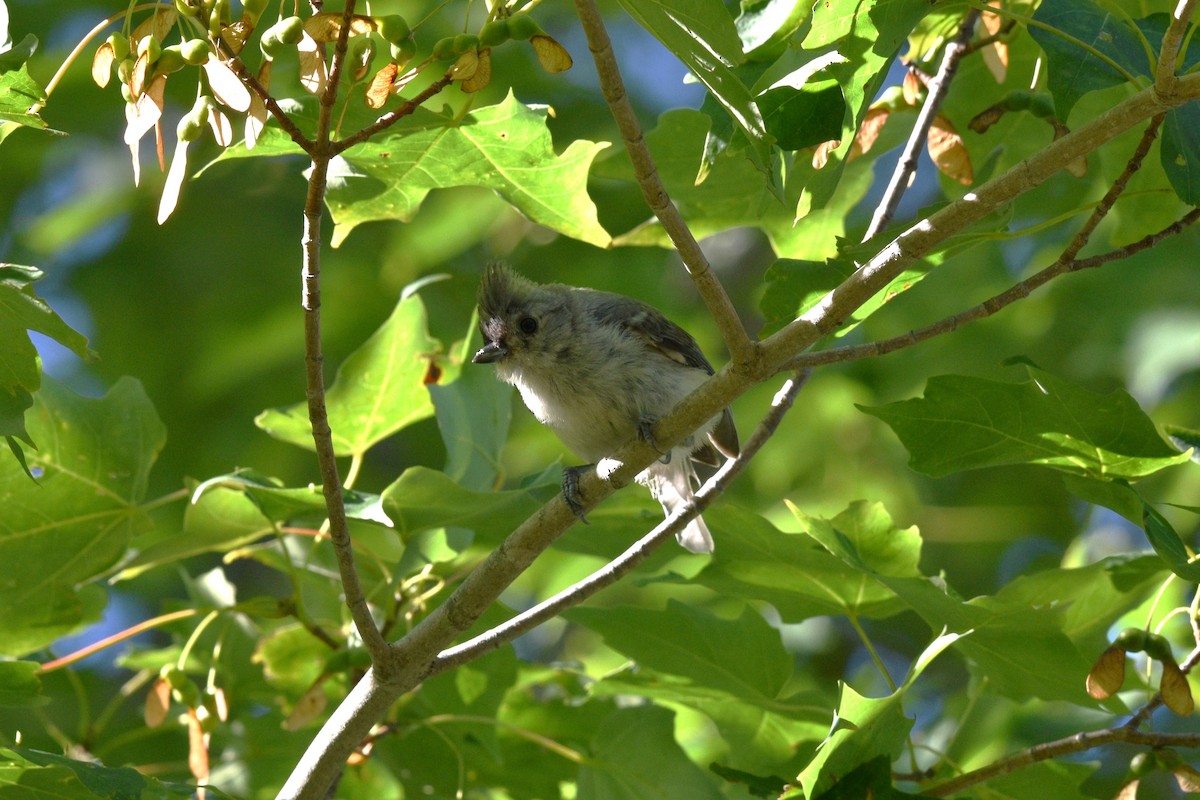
column 570, row 490
column 646, row 431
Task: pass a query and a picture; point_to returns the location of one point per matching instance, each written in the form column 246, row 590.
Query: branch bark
column 737, row 341
column 939, row 87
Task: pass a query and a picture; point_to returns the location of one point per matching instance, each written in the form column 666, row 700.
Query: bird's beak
column 490, row 353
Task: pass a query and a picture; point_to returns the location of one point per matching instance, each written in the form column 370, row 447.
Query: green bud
column 393, row 28
column 1132, row 640
column 125, row 70
column 195, row 51
column 269, row 44
column 253, row 9
column 495, row 33
column 403, row 52
column 170, row 60
column 119, row 45
column 465, row 42
column 523, row 27
column 149, row 45
column 289, row 30
column 443, row 49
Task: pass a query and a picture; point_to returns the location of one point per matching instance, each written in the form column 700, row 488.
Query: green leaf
column 28, row 773
column 475, row 691
column 743, row 657
column 1180, row 152
column 506, row 147
column 803, row 117
column 1168, row 545
column 21, row 685
column 965, row 423
column 1022, row 651
column 765, row 26
column 423, row 498
column 1184, row 439
column 283, row 504
column 702, row 34
column 861, row 39
column 1092, row 597
column 864, row 729
column 865, row 537
column 76, row 522
column 19, row 93
column 759, row 562
column 473, row 414
column 292, row 659
column 379, row 389
column 634, row 757
column 20, row 373
column 762, row 733
column 1088, row 46
column 215, row 521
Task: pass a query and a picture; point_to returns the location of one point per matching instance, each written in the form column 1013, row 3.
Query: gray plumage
column 598, row 368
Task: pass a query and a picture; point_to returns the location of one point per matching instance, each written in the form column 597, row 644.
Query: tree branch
column 737, row 341
column 1064, row 264
column 939, row 87
column 623, row 564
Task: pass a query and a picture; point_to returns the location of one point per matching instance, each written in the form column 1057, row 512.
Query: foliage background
column 204, row 312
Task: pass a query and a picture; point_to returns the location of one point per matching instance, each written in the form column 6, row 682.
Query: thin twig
column 737, row 341
column 1168, row 53
column 393, row 116
column 1064, row 264
column 331, row 485
column 286, row 124
column 1077, row 743
column 939, row 87
column 623, row 564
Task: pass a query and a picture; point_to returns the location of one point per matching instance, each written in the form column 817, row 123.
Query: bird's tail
column 672, row 486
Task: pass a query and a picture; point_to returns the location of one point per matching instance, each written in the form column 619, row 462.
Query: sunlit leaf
column 702, row 34
column 75, row 523
column 965, row 422
column 37, row 774
column 379, row 389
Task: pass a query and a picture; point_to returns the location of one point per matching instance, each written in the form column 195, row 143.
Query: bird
column 599, row 368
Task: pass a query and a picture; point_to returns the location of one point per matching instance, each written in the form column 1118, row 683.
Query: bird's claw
column 570, row 490
column 646, row 431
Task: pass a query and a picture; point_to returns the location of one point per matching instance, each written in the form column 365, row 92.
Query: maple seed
column 1107, row 674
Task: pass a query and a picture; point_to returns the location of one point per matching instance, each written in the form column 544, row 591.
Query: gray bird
column 599, row 368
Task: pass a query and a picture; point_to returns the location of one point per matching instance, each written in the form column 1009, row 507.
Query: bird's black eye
column 528, row 325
